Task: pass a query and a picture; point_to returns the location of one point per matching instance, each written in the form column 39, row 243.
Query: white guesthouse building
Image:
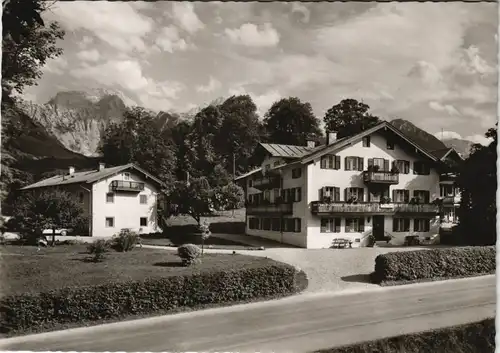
column 115, row 198
column 378, row 182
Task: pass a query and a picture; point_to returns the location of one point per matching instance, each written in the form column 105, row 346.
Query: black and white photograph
column 248, row 176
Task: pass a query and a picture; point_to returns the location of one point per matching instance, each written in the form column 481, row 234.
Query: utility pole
column 234, row 166
column 234, row 174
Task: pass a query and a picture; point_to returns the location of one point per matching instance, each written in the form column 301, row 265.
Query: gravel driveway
column 331, row 269
column 327, row 269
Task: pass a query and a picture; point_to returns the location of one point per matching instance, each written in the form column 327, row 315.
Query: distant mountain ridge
column 461, row 146
column 78, row 119
column 429, row 141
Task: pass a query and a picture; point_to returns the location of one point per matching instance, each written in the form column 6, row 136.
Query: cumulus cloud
column 252, row 36
column 263, row 101
column 448, row 108
column 476, row 138
column 169, row 40
column 447, row 135
column 481, row 139
column 211, row 86
column 185, row 16
column 118, row 24
column 89, row 55
column 298, row 7
column 472, row 63
column 85, row 42
column 56, row 66
column 128, row 75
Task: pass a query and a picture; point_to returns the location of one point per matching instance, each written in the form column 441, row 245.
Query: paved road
column 298, row 324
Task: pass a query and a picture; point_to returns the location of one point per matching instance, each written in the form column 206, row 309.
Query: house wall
column 126, row 208
column 318, row 178
column 299, row 208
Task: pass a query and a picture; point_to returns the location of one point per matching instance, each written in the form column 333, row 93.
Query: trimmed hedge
column 476, row 337
column 434, row 264
column 115, row 300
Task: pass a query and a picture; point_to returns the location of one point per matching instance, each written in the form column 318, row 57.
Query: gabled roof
column 286, row 151
column 441, row 153
column 445, row 152
column 341, row 143
column 88, row 177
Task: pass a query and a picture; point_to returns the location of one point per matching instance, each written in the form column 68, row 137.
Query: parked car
column 62, row 232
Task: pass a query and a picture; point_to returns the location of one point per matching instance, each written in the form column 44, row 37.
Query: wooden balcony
column 451, row 200
column 270, row 209
column 447, row 179
column 129, row 186
column 371, row 208
column 267, row 182
column 372, row 177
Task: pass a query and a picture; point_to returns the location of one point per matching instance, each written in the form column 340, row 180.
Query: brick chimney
column 101, row 166
column 71, row 170
column 331, row 137
column 311, row 144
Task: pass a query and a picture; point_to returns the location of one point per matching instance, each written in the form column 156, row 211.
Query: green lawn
column 23, row 269
column 219, row 217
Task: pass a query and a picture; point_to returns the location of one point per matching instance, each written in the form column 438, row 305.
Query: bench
column 340, row 243
column 412, row 240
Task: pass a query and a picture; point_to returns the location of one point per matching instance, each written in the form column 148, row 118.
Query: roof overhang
column 349, row 141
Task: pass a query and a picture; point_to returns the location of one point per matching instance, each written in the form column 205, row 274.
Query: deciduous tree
column 478, row 183
column 138, row 140
column 349, row 118
column 290, row 121
column 239, row 133
column 27, row 43
column 194, row 198
column 54, row 209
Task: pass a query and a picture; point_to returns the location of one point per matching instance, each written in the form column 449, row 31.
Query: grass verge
column 477, row 337
column 59, row 287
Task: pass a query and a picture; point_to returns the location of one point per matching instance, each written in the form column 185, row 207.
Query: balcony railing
column 271, row 208
column 371, row 208
column 120, row 185
column 451, row 200
column 447, row 179
column 380, row 177
column 267, row 182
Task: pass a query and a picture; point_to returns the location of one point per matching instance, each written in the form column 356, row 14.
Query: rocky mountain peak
column 78, row 119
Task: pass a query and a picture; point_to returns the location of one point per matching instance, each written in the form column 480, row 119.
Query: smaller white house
column 114, row 198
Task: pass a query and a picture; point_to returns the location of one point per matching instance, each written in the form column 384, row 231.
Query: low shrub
column 98, row 248
column 26, row 311
column 189, row 254
column 476, row 337
column 124, row 241
column 436, row 263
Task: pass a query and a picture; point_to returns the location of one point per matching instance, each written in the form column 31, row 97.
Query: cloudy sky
column 431, row 63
